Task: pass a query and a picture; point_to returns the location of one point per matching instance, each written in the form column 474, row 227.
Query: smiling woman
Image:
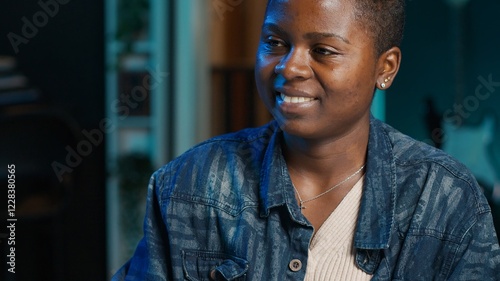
column 320, row 53
column 325, row 191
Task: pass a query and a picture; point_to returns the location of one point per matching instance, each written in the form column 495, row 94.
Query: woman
column 325, row 191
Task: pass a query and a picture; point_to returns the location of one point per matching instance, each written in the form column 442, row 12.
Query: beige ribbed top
column 331, row 252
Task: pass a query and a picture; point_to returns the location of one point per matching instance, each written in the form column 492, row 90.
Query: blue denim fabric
column 228, row 205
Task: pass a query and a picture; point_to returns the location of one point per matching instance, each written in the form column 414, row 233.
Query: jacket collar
column 276, row 188
column 376, row 215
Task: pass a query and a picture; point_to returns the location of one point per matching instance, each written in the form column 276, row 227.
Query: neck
column 323, row 162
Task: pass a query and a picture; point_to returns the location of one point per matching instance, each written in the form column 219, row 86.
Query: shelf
column 139, row 47
column 134, row 122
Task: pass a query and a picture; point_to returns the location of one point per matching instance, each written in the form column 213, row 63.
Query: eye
column 274, row 42
column 324, row 51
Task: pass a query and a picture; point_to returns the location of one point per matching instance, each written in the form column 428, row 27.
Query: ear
column 388, row 66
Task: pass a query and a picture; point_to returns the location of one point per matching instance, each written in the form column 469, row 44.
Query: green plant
column 133, row 20
column 134, row 171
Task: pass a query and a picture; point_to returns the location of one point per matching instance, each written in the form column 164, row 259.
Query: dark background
column 429, row 62
column 65, row 61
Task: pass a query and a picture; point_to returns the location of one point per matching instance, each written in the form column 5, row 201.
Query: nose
column 294, row 65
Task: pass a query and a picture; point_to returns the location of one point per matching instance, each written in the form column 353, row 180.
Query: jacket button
column 213, row 275
column 295, row 265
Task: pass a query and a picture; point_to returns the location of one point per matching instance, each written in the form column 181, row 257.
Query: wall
column 430, row 69
column 235, row 31
column 234, row 37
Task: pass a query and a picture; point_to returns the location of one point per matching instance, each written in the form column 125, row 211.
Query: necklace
column 302, row 202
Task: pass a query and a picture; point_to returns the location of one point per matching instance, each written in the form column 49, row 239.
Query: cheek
column 347, row 91
column 362, row 82
column 264, row 71
column 260, row 78
column 264, row 65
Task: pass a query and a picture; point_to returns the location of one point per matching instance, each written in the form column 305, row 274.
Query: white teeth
column 295, row 99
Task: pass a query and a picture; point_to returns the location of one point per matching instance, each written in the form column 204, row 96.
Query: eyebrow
column 320, row 35
column 310, row 35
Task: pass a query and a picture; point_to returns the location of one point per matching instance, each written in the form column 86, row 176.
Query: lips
column 292, row 103
column 293, row 96
column 294, row 99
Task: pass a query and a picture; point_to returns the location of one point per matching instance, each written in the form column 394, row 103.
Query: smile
column 289, row 99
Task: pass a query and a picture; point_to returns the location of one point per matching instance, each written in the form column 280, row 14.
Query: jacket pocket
column 201, row 265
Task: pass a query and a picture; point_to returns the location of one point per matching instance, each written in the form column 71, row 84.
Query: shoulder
column 442, row 190
column 410, row 152
column 244, row 143
column 216, row 163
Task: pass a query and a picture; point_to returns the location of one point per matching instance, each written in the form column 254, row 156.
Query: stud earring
column 385, row 81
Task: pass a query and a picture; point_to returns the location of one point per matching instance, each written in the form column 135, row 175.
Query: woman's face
column 316, row 68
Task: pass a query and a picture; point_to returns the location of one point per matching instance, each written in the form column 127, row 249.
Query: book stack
column 14, row 86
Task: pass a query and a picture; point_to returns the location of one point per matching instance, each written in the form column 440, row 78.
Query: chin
column 298, row 130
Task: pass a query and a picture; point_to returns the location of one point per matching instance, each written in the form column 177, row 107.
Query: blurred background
column 96, row 95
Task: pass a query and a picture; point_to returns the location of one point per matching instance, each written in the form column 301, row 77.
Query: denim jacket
column 227, row 206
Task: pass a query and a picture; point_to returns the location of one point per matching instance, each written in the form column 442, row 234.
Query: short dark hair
column 385, row 20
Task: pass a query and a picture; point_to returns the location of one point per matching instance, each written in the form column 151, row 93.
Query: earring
column 385, row 81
